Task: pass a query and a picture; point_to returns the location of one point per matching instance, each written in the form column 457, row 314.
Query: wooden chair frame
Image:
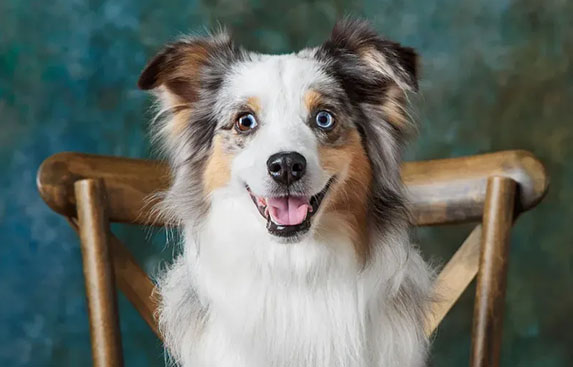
column 492, row 189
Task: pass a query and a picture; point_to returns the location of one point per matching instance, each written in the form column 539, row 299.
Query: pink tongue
column 288, row 211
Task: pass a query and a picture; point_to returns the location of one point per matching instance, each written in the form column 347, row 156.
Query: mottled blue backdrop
column 497, row 74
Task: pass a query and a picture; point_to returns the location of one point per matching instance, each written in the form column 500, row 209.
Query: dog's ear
column 181, row 67
column 373, row 71
column 355, row 42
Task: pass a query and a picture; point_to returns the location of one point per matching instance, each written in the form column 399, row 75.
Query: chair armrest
column 440, row 191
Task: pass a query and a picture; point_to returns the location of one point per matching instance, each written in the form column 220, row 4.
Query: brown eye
column 246, row 123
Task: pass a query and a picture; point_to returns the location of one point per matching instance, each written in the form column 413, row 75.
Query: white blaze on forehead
column 279, row 84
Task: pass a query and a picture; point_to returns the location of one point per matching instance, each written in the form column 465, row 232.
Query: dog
column 286, row 184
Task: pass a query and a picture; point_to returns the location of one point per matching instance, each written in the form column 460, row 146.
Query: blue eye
column 246, row 122
column 324, row 120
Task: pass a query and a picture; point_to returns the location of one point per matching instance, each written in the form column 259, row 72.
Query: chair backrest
column 490, row 189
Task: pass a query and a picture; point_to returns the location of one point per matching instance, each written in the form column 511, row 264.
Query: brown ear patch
column 217, row 171
column 180, row 65
column 177, row 68
column 349, row 196
column 393, row 107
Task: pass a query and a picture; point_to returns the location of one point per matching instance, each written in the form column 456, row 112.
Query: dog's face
column 283, row 114
column 302, row 135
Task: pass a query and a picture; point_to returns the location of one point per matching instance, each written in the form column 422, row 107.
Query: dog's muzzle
column 289, row 215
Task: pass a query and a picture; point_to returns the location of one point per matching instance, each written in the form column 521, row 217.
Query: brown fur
column 178, row 69
column 218, row 168
column 349, row 195
column 182, row 79
column 312, row 100
column 179, row 121
column 393, row 108
column 254, row 104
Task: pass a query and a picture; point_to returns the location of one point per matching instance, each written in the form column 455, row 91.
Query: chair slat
column 455, row 277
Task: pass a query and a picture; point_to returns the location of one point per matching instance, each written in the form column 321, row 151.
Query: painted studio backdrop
column 496, row 74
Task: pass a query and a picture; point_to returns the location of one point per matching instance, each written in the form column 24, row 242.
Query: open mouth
column 289, row 215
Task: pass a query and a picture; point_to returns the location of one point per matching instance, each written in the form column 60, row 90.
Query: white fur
column 237, row 297
column 302, row 304
column 279, row 83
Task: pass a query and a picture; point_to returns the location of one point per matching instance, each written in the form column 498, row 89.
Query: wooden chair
column 491, row 189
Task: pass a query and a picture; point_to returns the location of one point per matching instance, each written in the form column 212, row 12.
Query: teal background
column 496, row 74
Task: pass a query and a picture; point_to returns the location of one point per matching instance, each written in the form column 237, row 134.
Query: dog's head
column 303, row 136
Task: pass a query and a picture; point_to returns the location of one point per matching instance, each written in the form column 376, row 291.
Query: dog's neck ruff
column 289, row 305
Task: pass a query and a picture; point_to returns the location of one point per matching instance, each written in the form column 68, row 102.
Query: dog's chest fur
column 254, row 310
column 282, row 324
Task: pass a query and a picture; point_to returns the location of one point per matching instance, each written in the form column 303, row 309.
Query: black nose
column 286, row 167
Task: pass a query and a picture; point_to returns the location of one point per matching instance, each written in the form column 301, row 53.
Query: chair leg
column 491, row 281
column 99, row 279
